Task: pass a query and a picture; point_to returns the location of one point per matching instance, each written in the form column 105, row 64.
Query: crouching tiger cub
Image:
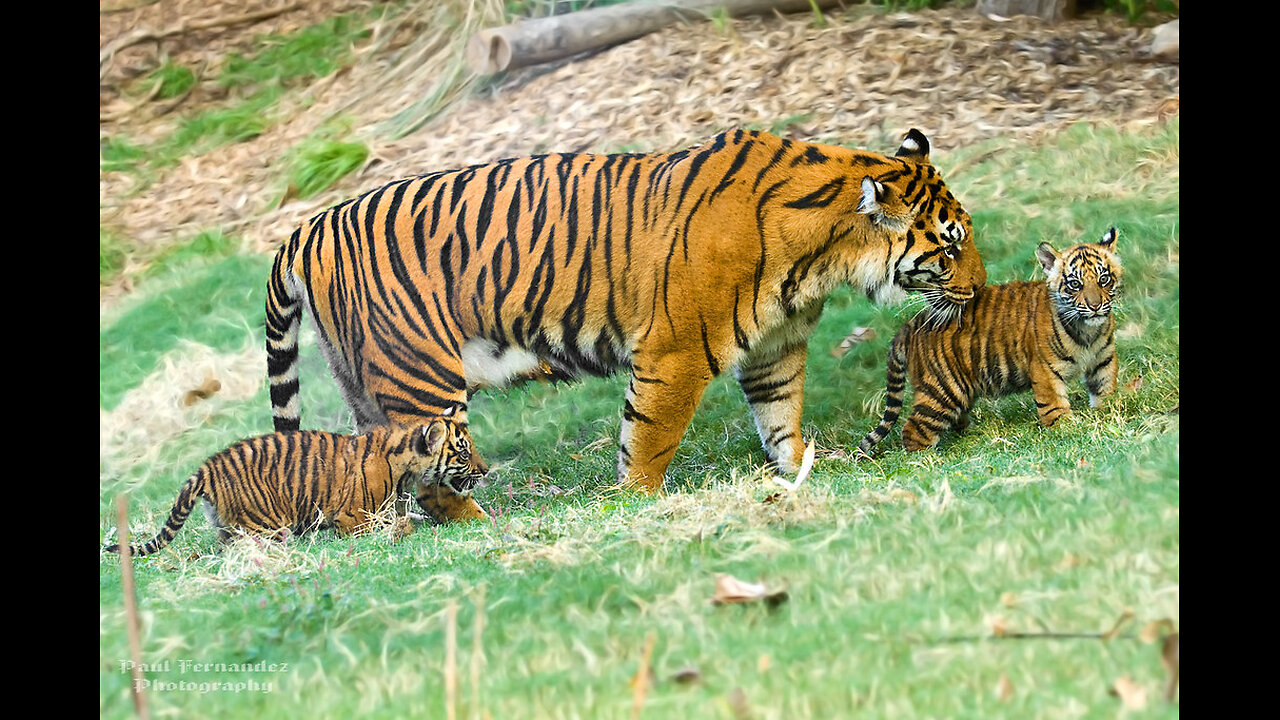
column 305, row 480
column 1011, row 337
column 674, row 266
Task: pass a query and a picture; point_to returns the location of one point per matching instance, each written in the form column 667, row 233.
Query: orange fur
column 1011, row 338
column 304, row 480
column 675, row 266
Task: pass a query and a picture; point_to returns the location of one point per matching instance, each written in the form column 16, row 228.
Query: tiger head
column 1083, row 280
column 930, row 234
column 447, row 467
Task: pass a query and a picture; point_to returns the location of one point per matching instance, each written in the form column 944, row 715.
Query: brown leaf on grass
column 1156, row 629
column 206, row 390
column 999, row 626
column 1133, row 695
column 1134, row 384
column 730, row 589
column 1169, row 658
column 763, row 663
column 858, row 335
column 686, row 676
column 904, row 495
column 1004, row 688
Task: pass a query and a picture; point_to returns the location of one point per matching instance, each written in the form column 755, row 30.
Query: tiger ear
column 915, row 147
column 1047, row 256
column 872, row 191
column 1108, row 240
column 431, row 438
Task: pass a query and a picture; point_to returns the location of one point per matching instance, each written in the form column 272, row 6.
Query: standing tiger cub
column 305, row 480
column 1010, row 338
column 672, row 266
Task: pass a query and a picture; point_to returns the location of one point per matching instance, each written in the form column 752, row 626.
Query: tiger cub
column 305, row 480
column 1010, row 338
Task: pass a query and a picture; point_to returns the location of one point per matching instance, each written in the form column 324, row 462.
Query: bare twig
column 643, row 678
column 130, row 606
column 140, row 35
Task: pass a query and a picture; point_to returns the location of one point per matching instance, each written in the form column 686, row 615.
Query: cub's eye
column 1104, row 280
column 1073, row 284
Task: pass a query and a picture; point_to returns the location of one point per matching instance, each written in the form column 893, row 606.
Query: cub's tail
column 895, row 382
column 284, row 319
column 187, row 497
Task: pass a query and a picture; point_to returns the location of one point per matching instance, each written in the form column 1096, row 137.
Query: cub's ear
column 1047, row 256
column 1108, row 240
column 430, row 438
column 915, row 147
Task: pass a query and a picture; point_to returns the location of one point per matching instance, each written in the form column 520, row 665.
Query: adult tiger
column 675, row 265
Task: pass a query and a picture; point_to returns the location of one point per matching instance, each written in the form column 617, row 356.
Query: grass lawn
column 979, row 580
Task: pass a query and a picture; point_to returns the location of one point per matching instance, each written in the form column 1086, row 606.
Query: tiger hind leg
column 365, row 413
column 656, row 412
column 932, row 414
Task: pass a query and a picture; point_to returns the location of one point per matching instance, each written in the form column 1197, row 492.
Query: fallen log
column 540, row 40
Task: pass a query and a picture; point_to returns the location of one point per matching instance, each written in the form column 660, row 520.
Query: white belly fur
column 486, row 366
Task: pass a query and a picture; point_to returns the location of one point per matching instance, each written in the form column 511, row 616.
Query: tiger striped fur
column 676, row 266
column 304, row 480
column 1010, row 338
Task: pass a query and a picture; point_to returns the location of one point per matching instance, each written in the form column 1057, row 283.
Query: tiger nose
column 478, row 466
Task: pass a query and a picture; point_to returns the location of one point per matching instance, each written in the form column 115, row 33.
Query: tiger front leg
column 774, row 388
column 659, row 404
column 1050, row 393
column 1100, row 381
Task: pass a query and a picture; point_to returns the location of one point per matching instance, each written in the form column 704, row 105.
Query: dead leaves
column 1133, row 695
column 206, row 390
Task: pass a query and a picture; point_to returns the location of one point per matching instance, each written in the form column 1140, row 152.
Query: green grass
column 908, row 577
column 318, row 163
column 173, row 80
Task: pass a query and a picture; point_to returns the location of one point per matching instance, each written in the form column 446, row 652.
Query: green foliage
column 1136, row 10
column 312, row 52
column 111, row 256
column 174, row 80
column 213, row 128
column 119, row 155
column 318, row 164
